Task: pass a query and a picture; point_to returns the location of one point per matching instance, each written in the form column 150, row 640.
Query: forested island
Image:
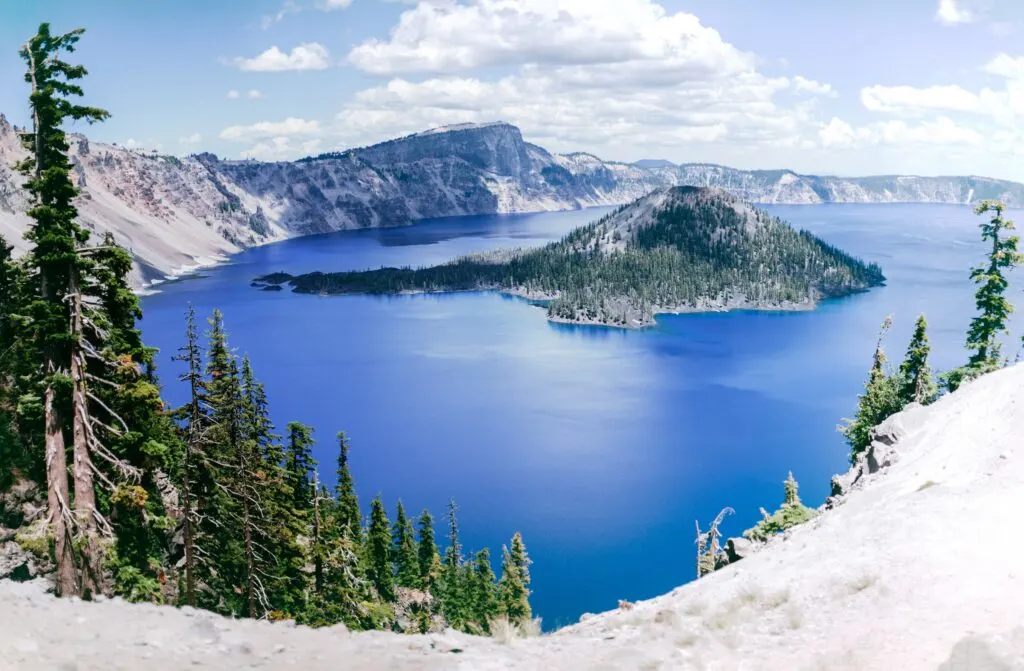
column 677, row 249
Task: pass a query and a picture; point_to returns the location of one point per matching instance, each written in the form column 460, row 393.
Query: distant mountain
column 174, row 214
column 677, row 249
column 651, row 163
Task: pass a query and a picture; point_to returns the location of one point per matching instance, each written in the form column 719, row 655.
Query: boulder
column 17, row 563
column 22, row 500
column 738, row 548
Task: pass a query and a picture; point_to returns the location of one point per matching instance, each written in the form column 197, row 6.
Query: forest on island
column 206, row 504
column 698, row 247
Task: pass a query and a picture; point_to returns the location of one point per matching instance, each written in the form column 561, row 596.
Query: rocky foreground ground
column 918, row 567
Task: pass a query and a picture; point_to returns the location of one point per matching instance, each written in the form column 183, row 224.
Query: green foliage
column 698, row 249
column 407, row 573
column 483, row 591
column 994, row 308
column 452, row 584
column 917, row 384
column 880, row 400
column 427, row 554
column 300, row 464
column 790, row 514
column 345, row 491
column 378, row 550
column 514, row 585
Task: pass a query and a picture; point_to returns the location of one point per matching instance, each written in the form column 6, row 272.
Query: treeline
column 204, row 504
column 697, row 249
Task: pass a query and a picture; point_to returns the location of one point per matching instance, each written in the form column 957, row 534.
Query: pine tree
column 17, row 427
column 59, row 271
column 299, row 464
column 378, row 549
column 347, row 501
column 195, row 416
column 452, row 583
column 515, row 581
column 483, row 592
column 994, row 307
column 791, row 513
column 879, row 401
column 427, row 555
column 916, row 381
column 404, row 550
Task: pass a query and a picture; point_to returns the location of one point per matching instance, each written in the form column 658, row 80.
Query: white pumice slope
column 919, row 568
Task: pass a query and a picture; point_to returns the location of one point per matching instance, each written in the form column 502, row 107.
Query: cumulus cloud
column 606, row 75
column 282, row 148
column 263, row 129
column 254, row 94
column 838, row 134
column 233, row 94
column 331, row 5
column 190, row 140
column 951, row 12
column 306, row 56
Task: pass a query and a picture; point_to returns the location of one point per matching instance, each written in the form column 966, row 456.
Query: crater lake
column 602, row 446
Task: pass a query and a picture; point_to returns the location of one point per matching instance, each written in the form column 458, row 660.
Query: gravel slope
column 919, row 569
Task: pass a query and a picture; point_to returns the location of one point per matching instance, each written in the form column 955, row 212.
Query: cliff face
column 177, row 213
column 912, row 570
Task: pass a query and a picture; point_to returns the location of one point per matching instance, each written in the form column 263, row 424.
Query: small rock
column 738, row 548
column 278, row 649
column 1005, row 455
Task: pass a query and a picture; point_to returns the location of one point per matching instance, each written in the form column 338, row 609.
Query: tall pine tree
column 515, row 581
column 879, row 400
column 378, row 552
column 404, row 550
column 427, row 555
column 916, row 381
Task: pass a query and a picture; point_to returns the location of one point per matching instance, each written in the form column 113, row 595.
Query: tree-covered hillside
column 677, row 249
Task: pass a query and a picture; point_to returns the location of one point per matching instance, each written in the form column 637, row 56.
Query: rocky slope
column 177, row 213
column 915, row 568
column 676, row 249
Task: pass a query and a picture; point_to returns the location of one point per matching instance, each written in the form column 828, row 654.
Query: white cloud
column 306, row 56
column 450, row 37
column 233, row 94
column 131, row 143
column 838, row 134
column 254, row 94
column 331, row 5
column 911, row 99
column 282, row 148
column 290, row 126
column 613, row 76
column 190, row 140
column 289, row 7
column 950, row 13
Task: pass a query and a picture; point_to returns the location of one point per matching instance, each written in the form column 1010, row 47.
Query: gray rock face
column 21, row 504
column 16, row 563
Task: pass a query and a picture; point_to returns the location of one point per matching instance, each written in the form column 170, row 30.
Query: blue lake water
column 602, row 446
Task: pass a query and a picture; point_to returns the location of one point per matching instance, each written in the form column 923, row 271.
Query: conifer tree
column 992, row 283
column 404, row 550
column 18, row 428
column 195, row 416
column 347, row 501
column 452, row 585
column 515, row 581
column 378, row 551
column 59, row 271
column 427, row 555
column 916, row 381
column 879, row 401
column 299, row 464
column 483, row 591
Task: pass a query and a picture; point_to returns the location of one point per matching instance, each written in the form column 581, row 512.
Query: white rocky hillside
column 918, row 567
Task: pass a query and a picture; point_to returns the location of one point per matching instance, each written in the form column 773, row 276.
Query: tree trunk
column 58, row 502
column 251, row 583
column 318, row 559
column 57, row 495
column 85, row 491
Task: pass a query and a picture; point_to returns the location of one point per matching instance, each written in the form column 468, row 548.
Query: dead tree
column 708, row 544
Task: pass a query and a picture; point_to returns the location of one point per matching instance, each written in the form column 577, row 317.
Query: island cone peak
column 676, row 249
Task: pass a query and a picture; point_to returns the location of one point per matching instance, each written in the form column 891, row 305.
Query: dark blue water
column 602, row 446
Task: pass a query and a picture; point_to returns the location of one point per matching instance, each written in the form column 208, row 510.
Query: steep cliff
column 176, row 213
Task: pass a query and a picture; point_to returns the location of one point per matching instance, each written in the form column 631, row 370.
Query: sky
column 838, row 87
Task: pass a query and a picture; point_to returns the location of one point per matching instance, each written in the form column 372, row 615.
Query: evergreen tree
column 59, row 270
column 347, row 501
column 427, row 555
column 299, row 464
column 879, row 401
column 404, row 550
column 992, row 283
column 916, row 381
column 483, row 592
column 378, row 550
column 19, row 430
column 515, row 581
column 452, row 585
column 792, row 513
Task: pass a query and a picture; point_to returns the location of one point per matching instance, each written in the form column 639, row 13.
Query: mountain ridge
column 178, row 213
